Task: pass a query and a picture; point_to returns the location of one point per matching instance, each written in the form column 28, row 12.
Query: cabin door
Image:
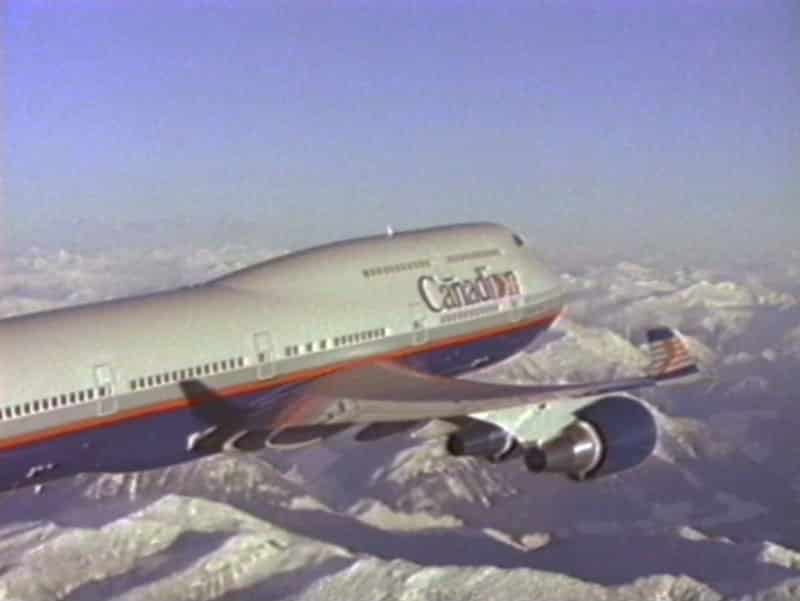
column 104, row 388
column 265, row 355
column 515, row 309
column 419, row 330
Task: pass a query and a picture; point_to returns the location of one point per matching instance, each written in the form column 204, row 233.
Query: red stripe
column 179, row 404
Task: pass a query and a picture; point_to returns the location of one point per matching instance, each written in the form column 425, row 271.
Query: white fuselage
column 71, row 371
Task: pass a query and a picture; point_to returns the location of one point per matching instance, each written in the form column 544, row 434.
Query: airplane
column 370, row 335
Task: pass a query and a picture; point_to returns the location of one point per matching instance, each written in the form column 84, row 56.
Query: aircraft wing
column 385, row 391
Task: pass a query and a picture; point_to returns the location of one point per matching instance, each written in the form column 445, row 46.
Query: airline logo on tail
column 669, row 355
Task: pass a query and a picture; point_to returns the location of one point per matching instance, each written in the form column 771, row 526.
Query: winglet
column 670, row 359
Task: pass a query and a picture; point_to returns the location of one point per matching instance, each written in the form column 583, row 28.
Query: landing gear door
column 104, row 389
column 419, row 330
column 265, row 355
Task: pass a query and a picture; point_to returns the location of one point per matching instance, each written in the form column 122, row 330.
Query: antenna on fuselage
column 389, row 231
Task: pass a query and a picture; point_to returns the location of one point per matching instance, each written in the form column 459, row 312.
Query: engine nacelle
column 609, row 436
column 481, row 439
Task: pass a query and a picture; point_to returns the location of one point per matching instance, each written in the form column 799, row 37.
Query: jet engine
column 611, row 435
column 481, row 439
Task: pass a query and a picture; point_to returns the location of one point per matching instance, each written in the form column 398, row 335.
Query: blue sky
column 602, row 122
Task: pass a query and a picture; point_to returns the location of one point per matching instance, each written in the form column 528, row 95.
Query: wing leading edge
column 389, row 392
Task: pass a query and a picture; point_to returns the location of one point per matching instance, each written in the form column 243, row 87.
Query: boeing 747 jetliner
column 368, row 334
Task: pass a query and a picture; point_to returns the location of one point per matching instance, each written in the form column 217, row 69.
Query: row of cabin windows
column 54, row 402
column 336, row 342
column 475, row 254
column 396, row 268
column 470, row 313
column 188, row 373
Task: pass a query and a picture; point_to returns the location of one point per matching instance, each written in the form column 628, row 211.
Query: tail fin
column 670, row 359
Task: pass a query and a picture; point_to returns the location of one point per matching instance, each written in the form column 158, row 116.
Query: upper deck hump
column 362, row 253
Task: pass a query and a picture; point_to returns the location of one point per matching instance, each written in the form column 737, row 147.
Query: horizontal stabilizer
column 670, row 359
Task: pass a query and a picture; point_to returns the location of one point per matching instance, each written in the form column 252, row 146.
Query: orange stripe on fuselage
column 260, row 386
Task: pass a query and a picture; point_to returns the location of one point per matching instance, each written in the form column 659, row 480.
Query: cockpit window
column 518, row 240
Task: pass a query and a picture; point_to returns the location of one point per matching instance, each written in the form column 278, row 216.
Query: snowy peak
column 231, row 550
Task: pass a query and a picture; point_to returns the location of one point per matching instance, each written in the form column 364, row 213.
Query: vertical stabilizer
column 670, row 358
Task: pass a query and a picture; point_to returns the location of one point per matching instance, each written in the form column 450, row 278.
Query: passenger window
column 90, row 394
